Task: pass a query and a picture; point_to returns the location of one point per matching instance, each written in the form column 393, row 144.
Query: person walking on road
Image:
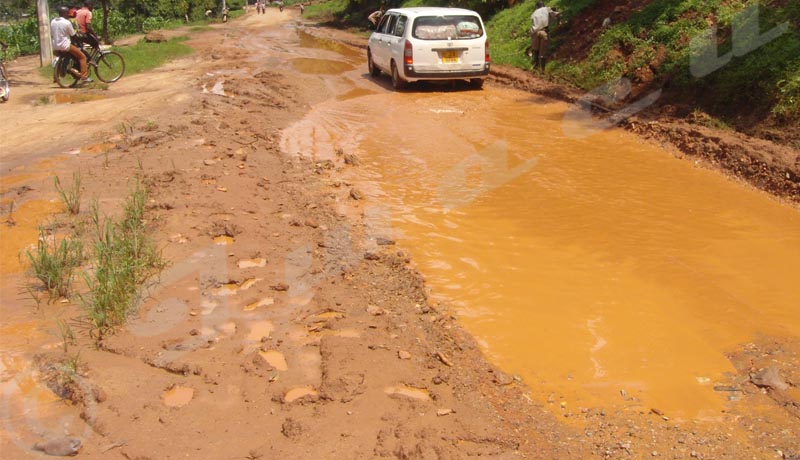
column 540, row 24
column 62, row 32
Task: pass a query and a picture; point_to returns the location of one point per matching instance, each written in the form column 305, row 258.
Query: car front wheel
column 397, row 82
column 373, row 69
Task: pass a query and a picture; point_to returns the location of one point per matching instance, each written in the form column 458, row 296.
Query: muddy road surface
column 331, row 242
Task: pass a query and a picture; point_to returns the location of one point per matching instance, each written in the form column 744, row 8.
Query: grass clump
column 72, row 196
column 125, row 258
column 54, row 262
column 145, row 56
column 326, row 11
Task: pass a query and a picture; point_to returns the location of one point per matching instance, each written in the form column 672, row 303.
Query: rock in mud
column 500, row 378
column 155, row 37
column 375, row 310
column 291, row 428
column 59, row 447
column 444, row 359
column 356, row 194
column 770, row 378
column 402, row 354
column 280, row 287
column 351, row 159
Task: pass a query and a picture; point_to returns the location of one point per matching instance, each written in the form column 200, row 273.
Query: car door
column 395, row 40
column 380, row 50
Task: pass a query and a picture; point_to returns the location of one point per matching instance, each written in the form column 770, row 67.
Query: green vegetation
column 652, row 47
column 72, row 196
column 145, row 56
column 124, row 259
column 325, row 11
column 125, row 17
column 54, row 261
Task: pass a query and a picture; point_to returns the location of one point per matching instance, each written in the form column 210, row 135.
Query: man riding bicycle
column 63, row 34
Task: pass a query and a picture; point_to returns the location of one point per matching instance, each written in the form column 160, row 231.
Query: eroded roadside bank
column 306, row 332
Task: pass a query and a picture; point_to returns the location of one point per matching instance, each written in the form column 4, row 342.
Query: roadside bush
column 22, row 38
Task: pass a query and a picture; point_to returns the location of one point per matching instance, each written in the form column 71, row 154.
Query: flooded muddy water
column 599, row 268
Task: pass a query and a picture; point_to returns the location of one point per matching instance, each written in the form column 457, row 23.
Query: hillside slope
column 748, row 78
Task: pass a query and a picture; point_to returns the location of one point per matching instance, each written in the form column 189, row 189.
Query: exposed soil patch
column 584, row 29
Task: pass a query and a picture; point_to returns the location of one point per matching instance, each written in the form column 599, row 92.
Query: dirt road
column 289, row 324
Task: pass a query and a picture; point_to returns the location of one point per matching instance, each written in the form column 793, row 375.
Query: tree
column 106, row 5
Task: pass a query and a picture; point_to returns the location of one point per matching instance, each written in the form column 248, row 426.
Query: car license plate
column 449, row 57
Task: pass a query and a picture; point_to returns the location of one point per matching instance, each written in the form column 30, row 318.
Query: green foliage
column 508, row 29
column 54, row 261
column 124, row 259
column 22, row 37
column 125, row 17
column 325, row 11
column 656, row 39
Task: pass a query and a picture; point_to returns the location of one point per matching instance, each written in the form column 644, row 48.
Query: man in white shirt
column 61, row 31
column 540, row 22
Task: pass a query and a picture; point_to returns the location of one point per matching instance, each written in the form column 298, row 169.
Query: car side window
column 382, row 25
column 389, row 25
column 400, row 27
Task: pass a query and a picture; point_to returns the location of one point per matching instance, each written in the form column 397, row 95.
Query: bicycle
column 5, row 91
column 109, row 66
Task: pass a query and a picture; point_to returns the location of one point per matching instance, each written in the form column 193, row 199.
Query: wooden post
column 45, row 44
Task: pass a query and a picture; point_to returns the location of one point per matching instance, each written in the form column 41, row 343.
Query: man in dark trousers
column 84, row 19
column 540, row 23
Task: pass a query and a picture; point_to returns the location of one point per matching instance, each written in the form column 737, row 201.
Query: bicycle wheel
column 65, row 75
column 110, row 66
column 4, row 89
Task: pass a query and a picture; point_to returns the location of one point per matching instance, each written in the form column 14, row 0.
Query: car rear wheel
column 476, row 83
column 373, row 69
column 397, row 82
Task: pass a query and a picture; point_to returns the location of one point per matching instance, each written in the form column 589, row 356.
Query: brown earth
column 279, row 330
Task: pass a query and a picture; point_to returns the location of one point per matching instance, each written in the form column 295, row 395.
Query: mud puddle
column 602, row 270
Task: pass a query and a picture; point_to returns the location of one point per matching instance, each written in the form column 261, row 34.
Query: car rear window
column 456, row 27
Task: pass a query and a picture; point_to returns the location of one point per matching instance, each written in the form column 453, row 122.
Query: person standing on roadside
column 84, row 19
column 62, row 32
column 540, row 24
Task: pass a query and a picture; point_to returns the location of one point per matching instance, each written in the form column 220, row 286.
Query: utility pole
column 45, row 45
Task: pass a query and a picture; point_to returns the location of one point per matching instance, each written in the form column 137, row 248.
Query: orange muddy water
column 599, row 268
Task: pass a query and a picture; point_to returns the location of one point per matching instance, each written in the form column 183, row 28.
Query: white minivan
column 427, row 43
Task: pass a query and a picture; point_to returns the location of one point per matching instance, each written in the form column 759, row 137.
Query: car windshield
column 454, row 27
